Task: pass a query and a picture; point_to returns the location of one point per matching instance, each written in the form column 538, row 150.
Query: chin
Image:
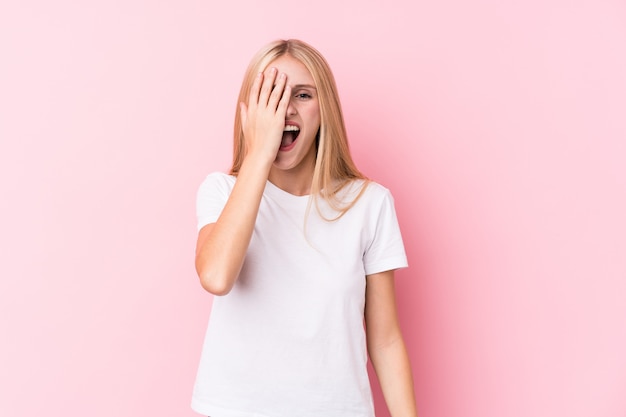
column 284, row 165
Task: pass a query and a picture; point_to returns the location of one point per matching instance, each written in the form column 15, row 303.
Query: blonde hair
column 334, row 167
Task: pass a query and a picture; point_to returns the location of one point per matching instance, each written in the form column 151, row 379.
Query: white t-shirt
column 288, row 340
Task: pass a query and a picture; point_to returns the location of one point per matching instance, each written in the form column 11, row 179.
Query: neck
column 296, row 181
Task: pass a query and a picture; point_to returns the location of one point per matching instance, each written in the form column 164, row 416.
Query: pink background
column 499, row 126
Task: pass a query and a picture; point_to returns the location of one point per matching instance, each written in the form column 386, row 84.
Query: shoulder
column 366, row 197
column 217, row 181
column 373, row 192
column 377, row 189
column 220, row 177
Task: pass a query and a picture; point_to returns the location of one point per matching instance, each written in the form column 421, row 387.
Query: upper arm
column 381, row 317
column 203, row 233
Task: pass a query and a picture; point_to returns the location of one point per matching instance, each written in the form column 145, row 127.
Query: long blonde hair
column 334, row 167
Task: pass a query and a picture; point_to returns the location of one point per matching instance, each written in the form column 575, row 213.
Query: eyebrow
column 303, row 86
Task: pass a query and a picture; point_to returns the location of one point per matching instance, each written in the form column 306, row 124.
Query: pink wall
column 499, row 127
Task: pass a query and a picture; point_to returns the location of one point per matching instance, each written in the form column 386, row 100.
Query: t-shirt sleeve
column 386, row 250
column 211, row 198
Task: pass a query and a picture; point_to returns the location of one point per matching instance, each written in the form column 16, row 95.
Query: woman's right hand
column 263, row 118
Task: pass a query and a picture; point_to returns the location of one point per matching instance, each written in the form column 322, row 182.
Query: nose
column 291, row 109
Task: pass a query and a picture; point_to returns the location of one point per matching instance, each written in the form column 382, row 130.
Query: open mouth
column 290, row 134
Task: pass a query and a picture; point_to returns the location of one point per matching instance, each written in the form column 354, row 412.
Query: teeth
column 291, row 128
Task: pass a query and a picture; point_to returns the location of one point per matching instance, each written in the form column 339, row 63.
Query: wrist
column 258, row 163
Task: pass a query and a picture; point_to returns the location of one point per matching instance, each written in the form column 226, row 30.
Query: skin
column 293, row 170
column 285, row 92
column 386, row 347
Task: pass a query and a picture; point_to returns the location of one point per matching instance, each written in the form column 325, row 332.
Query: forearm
column 221, row 253
column 391, row 363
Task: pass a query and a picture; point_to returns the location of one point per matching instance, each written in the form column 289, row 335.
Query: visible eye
column 303, row 96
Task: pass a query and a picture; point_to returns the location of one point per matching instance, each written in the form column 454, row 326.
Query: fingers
column 263, row 118
column 277, row 92
column 267, row 89
column 284, row 101
column 268, row 85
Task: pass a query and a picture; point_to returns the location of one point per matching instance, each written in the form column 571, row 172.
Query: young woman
column 299, row 248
